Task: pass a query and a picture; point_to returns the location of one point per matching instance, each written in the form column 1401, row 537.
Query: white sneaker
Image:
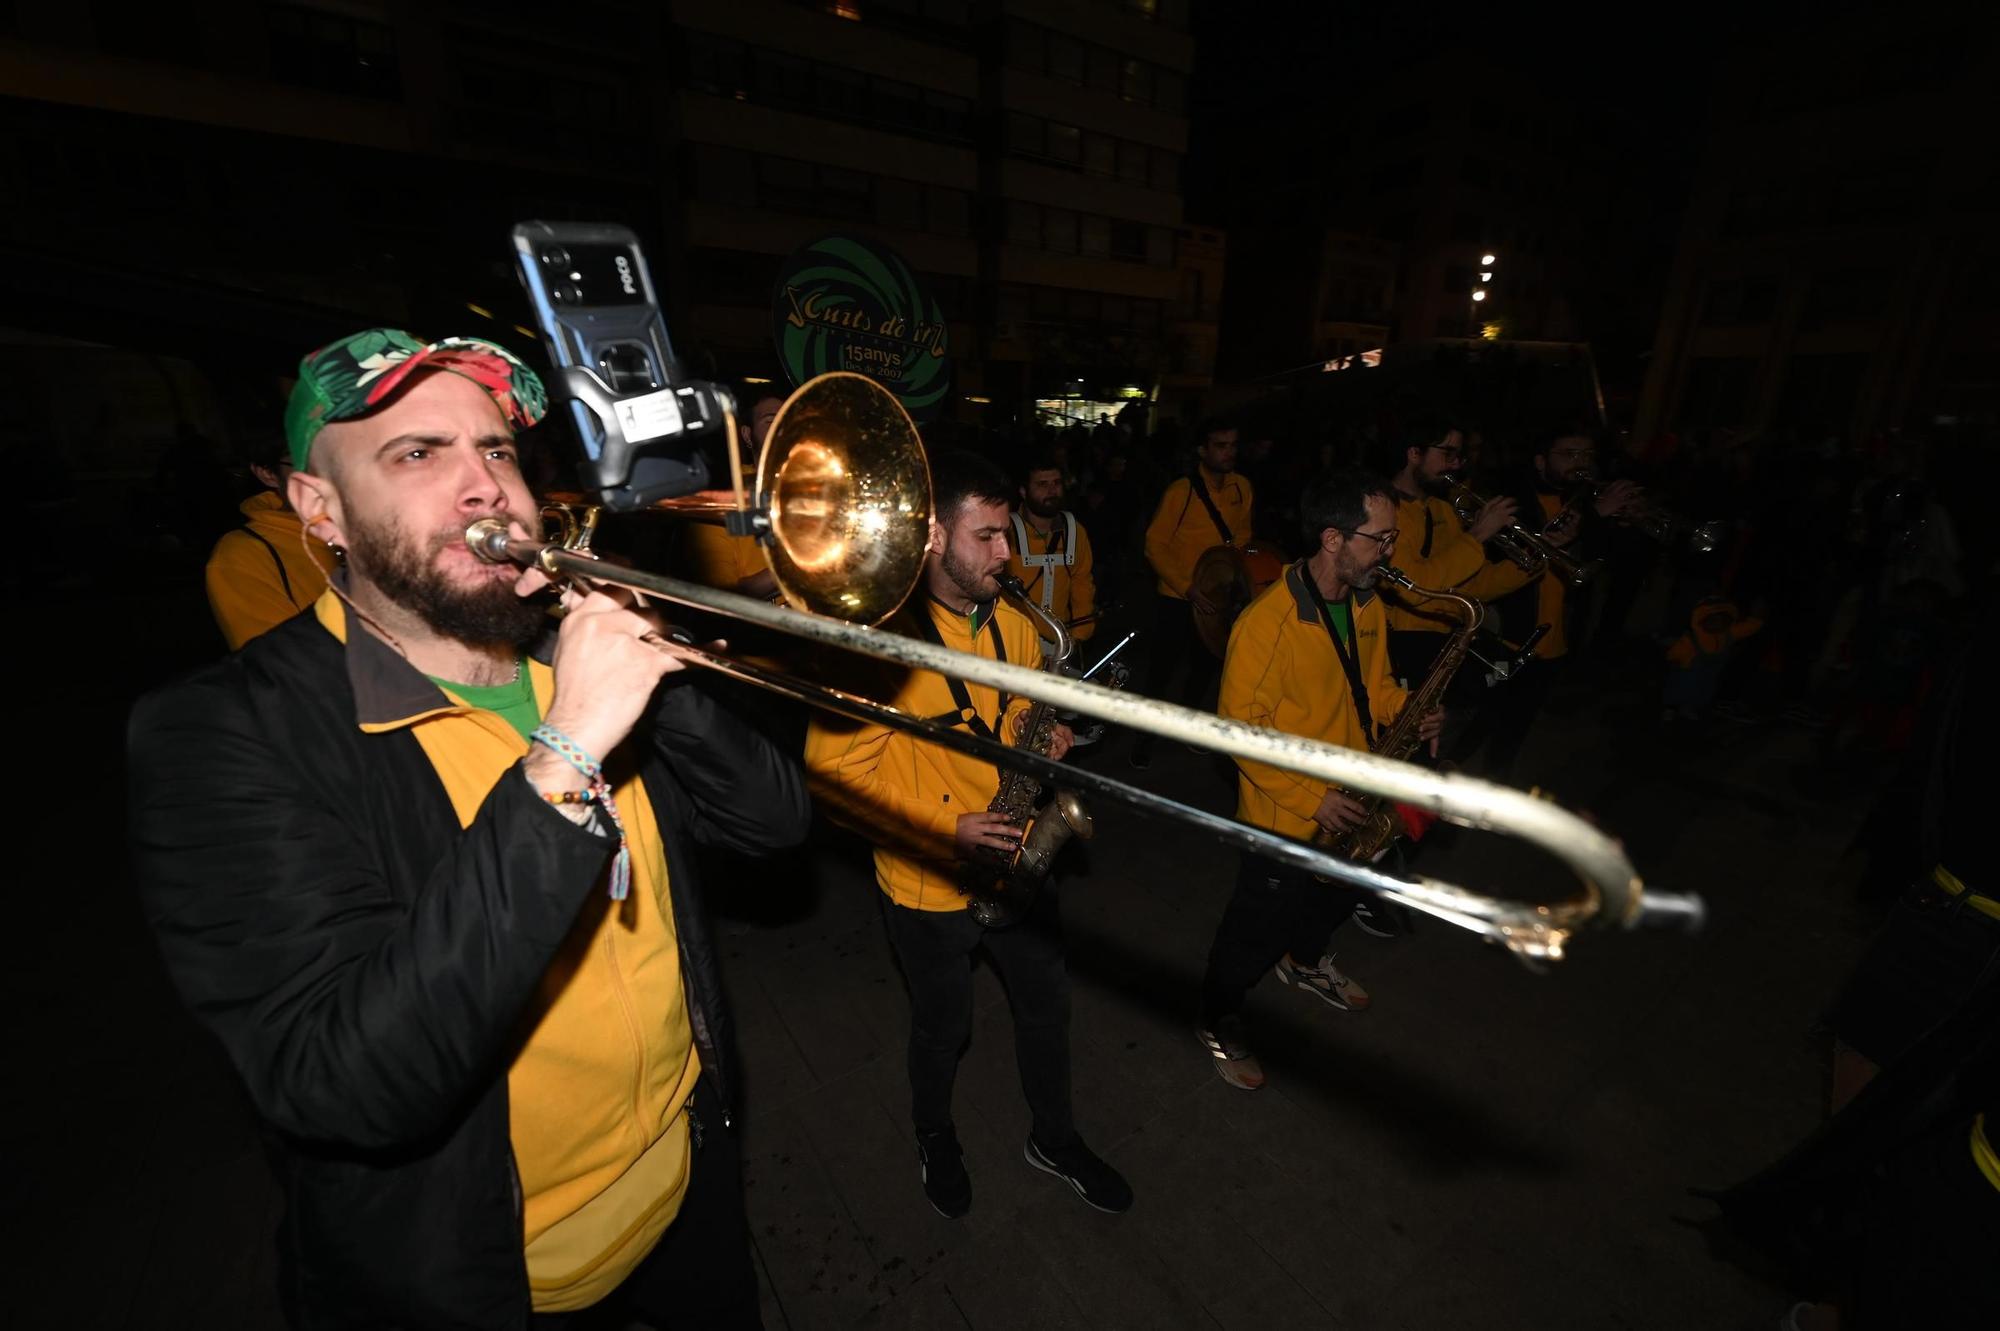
column 1325, row 982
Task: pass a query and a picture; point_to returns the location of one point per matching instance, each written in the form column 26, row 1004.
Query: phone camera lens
column 556, row 257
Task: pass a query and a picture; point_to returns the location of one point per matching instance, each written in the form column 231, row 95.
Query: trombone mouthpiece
column 488, row 539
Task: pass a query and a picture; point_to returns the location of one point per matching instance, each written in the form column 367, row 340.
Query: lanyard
column 1200, row 488
column 967, row 715
column 1350, row 658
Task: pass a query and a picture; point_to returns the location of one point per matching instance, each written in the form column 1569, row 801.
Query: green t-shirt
column 1342, row 620
column 513, row 702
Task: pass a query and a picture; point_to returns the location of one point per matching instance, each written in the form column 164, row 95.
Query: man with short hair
column 1050, row 552
column 423, row 865
column 1309, row 656
column 264, row 572
column 1211, row 505
column 926, row 809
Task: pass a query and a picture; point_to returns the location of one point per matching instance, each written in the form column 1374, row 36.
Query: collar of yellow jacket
column 1298, row 581
column 389, row 692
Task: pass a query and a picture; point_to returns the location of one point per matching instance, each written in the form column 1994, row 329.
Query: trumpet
column 1530, row 550
column 833, row 497
column 1662, row 524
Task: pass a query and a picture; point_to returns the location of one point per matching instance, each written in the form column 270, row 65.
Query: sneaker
column 1234, row 1062
column 1325, row 982
column 946, row 1183
column 1077, row 1165
column 1382, row 918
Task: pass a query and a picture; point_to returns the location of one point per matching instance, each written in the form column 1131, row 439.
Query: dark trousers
column 1274, row 912
column 1494, row 740
column 1179, row 666
column 935, row 948
column 699, row 1275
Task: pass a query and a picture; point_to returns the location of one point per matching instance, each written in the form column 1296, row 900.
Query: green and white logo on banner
column 844, row 303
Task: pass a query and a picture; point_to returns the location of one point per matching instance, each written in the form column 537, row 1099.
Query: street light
column 1479, row 295
column 1486, row 261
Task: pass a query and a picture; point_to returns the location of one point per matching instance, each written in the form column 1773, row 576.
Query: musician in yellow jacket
column 261, row 574
column 1309, row 656
column 1434, row 548
column 1051, row 553
column 1209, row 506
column 925, row 808
column 712, row 555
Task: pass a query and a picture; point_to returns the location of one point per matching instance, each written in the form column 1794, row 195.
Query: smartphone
column 639, row 420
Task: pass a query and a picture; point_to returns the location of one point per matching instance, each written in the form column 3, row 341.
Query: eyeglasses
column 1454, row 453
column 1384, row 539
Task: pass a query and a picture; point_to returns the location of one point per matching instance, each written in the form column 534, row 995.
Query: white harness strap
column 1065, row 557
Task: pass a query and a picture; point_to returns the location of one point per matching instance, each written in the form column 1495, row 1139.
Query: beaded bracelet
column 600, row 792
column 585, row 796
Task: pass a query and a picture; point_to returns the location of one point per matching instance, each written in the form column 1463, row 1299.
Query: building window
column 717, row 65
column 725, row 176
column 1166, row 170
column 1065, row 58
column 1100, row 155
column 900, row 203
column 1103, row 63
column 1128, row 241
column 1024, row 223
column 1065, row 143
column 331, row 52
column 772, row 78
column 947, row 212
column 1059, row 230
column 1135, row 81
column 1097, row 235
column 1135, row 162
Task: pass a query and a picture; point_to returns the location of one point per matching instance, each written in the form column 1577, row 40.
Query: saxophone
column 1373, row 834
column 1002, row 885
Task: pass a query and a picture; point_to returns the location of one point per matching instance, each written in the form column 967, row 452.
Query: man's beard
column 1044, row 508
column 1364, row 578
column 488, row 616
column 970, row 579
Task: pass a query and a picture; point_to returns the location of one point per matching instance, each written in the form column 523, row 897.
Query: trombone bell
column 849, row 492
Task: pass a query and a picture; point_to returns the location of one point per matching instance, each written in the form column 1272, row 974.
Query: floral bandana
column 358, row 373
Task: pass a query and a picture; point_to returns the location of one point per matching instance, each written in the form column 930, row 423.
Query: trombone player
column 1309, row 656
column 407, row 851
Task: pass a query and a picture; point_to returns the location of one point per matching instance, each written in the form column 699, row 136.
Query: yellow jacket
column 1435, row 550
column 259, row 574
column 905, row 793
column 715, row 558
column 1282, row 671
column 1065, row 590
column 1181, row 528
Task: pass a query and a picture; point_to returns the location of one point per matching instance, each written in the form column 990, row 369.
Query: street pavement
column 1485, row 1148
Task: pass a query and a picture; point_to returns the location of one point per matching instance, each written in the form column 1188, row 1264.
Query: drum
column 1230, row 576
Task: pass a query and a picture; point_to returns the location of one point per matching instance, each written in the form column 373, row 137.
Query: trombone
column 843, row 493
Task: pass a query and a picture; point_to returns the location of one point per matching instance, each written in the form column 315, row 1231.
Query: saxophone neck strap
column 1350, row 657
column 966, row 714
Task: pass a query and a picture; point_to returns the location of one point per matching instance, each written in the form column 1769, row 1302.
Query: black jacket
column 366, row 962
